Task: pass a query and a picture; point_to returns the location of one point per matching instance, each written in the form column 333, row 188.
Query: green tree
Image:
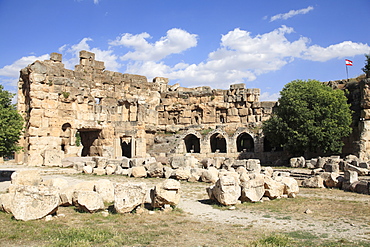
column 11, row 124
column 310, row 117
column 366, row 68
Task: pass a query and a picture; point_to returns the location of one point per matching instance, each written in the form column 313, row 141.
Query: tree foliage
column 366, row 68
column 11, row 124
column 310, row 117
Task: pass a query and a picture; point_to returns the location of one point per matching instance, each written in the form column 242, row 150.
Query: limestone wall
column 90, row 111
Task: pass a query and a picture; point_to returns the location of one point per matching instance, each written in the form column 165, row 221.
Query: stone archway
column 245, row 143
column 90, row 142
column 192, row 144
column 218, row 143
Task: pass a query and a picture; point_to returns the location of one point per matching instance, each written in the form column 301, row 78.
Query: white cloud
column 291, row 14
column 241, row 57
column 341, row 50
column 266, row 96
column 176, row 41
column 71, row 55
column 96, row 1
column 13, row 69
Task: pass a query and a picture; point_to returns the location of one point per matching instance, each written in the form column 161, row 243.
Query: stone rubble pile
column 250, row 183
column 30, row 198
column 335, row 172
column 185, row 168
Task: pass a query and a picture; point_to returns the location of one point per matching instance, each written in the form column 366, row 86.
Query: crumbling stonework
column 90, row 111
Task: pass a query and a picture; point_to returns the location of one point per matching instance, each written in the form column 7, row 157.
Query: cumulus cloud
column 72, row 55
column 13, row 69
column 341, row 50
column 266, row 96
column 291, row 14
column 241, row 57
column 176, row 41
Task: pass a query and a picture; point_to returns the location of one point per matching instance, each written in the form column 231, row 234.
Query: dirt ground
column 330, row 213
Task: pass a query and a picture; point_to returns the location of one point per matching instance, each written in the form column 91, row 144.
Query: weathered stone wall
column 90, row 111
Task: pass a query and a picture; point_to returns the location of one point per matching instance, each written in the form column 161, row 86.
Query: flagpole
column 347, row 71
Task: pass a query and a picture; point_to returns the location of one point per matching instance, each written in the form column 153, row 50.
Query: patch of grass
column 79, row 236
column 301, row 235
column 284, row 218
column 274, row 240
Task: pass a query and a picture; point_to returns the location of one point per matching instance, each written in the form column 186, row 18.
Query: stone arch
column 245, row 143
column 192, row 143
column 218, row 143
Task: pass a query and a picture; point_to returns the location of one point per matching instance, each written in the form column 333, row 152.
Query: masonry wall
column 90, row 111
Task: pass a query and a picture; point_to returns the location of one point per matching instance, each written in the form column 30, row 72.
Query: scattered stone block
column 34, row 202
column 105, row 188
column 252, row 190
column 88, row 201
column 128, row 196
column 26, row 177
column 227, row 190
column 313, row 182
column 167, row 192
column 138, row 172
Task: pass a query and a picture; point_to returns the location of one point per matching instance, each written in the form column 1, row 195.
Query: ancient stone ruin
column 91, row 111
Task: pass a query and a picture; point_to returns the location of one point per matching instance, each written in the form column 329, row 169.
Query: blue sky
column 264, row 44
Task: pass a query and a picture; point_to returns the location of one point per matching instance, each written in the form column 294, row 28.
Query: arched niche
column 192, row 144
column 245, row 143
column 218, row 143
column 65, row 136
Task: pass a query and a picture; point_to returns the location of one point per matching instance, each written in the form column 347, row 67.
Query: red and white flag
column 348, row 62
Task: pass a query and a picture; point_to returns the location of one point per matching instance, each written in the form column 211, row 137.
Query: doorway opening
column 245, row 143
column 218, row 143
column 90, row 142
column 192, row 144
column 126, row 146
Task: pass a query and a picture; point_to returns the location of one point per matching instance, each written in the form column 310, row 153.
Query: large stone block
column 53, row 157
column 227, row 190
column 34, row 202
column 166, row 193
column 252, row 189
column 26, row 177
column 128, row 196
column 88, row 201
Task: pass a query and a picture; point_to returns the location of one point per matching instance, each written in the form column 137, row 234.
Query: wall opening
column 222, row 119
column 218, row 143
column 245, row 143
column 126, row 146
column 90, row 142
column 65, row 136
column 192, row 144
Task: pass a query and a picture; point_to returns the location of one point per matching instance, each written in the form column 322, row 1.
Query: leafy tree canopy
column 310, row 117
column 366, row 68
column 11, row 124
